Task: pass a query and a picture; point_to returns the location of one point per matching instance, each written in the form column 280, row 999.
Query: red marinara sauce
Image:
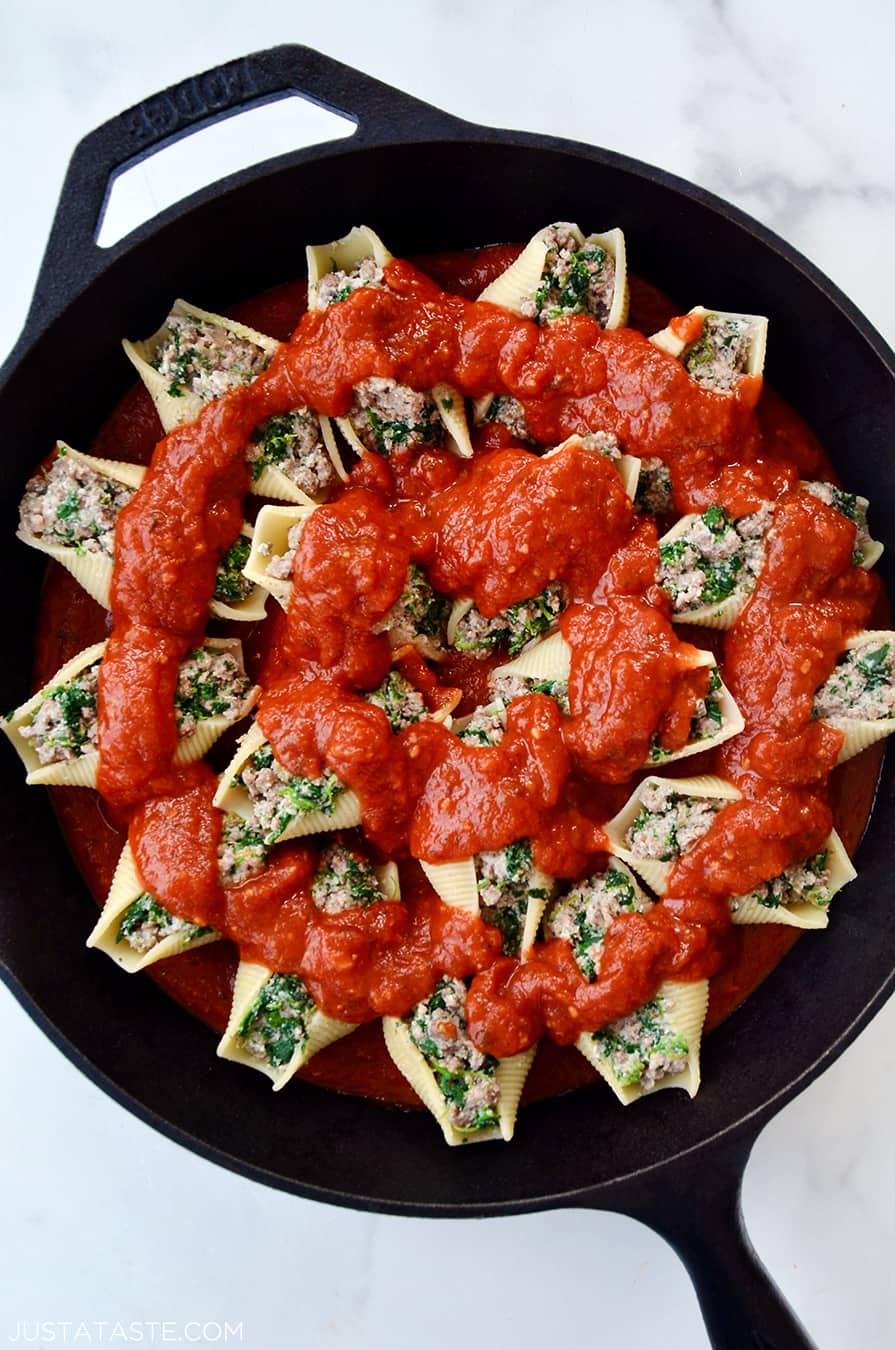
column 498, row 529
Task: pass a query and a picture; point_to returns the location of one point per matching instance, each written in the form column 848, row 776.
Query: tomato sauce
column 498, row 529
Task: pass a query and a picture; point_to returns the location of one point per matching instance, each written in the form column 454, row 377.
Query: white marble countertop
column 785, row 110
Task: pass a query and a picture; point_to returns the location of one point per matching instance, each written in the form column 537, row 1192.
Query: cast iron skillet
column 675, row 1165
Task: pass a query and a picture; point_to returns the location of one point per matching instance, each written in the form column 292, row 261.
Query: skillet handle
column 700, row 1215
column 72, row 257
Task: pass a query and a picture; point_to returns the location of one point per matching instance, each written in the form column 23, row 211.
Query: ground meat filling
column 719, row 358
column 418, row 616
column 276, row 1026
column 65, row 724
column 508, row 686
column 862, row 686
column 510, row 413
column 669, row 822
column 277, row 796
column 515, row 627
column 807, row 882
column 200, row 357
column 485, row 726
column 583, row 915
column 643, row 1048
column 344, row 880
column 386, row 415
column 707, row 720
column 654, row 492
column 242, row 853
column 402, row 704
column 70, row 504
column 280, row 566
column 338, row 285
column 146, row 923
column 293, row 443
column 210, row 683
column 576, row 280
column 506, row 882
column 230, row 585
column 465, row 1075
column 851, row 506
column 715, row 559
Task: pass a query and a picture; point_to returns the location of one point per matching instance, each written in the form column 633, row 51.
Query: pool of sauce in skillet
column 201, row 980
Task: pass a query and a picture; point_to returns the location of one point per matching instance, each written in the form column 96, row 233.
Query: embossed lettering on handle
column 196, row 98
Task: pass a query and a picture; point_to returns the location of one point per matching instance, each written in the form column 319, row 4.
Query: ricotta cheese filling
column 72, row 505
column 575, row 280
column 719, row 357
column 668, row 822
column 582, row 916
column 862, row 686
column 278, row 796
column 806, row 882
column 515, row 627
column 465, row 1075
column 277, row 1023
column 642, row 1049
column 344, row 880
column 202, row 358
column 293, row 443
column 715, row 559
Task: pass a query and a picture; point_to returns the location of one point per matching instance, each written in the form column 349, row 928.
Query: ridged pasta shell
column 126, row 887
column 459, row 610
column 343, row 255
column 522, row 278
column 721, row 615
column 510, row 1073
column 669, row 342
column 77, row 772
column 454, row 883
column 270, row 540
column 93, row 571
column 175, row 412
column 231, row 796
column 654, row 872
column 496, row 706
column 627, row 466
column 732, row 723
column 389, row 880
column 322, row 1030
column 272, row 482
column 480, row 408
column 534, row 911
column 549, row 659
column 451, row 408
column 858, row 733
column 250, row 610
column 686, row 1018
column 803, row 915
column 210, row 729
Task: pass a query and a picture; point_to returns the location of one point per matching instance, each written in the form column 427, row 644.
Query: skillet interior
column 144, row 1049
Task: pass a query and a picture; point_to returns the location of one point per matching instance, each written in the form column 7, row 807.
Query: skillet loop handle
column 700, row 1215
column 380, row 113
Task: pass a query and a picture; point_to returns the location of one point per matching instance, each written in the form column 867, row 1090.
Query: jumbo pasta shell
column 873, row 550
column 322, row 1030
column 672, row 343
column 859, row 733
column 270, row 540
column 409, row 1060
column 724, row 613
column 273, row 482
column 343, row 255
column 250, row 610
column 454, row 883
column 175, row 411
column 653, row 871
column 732, row 723
column 210, row 729
column 685, row 1017
column 451, row 408
column 804, row 914
column 92, row 570
column 627, row 466
column 522, row 278
column 77, row 772
column 549, row 659
column 127, row 887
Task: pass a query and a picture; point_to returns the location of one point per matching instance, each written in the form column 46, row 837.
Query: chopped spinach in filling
column 715, row 559
column 344, row 880
column 862, row 685
column 337, row 284
column 853, row 507
column 293, row 443
column 387, row 416
column 510, row 413
column 277, row 1024
column 146, row 923
column 72, row 506
column 485, row 726
column 418, row 616
column 576, row 279
column 654, row 492
column 465, row 1076
column 583, row 915
column 278, row 796
column 643, row 1048
column 402, row 704
column 720, row 356
column 210, row 683
column 515, row 627
column 65, row 724
column 807, row 882
column 669, row 822
column 507, row 881
column 198, row 356
column 230, row 586
column 242, row 852
column 707, row 720
column 509, row 686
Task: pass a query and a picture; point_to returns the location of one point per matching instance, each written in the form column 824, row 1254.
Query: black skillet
column 673, row 1164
